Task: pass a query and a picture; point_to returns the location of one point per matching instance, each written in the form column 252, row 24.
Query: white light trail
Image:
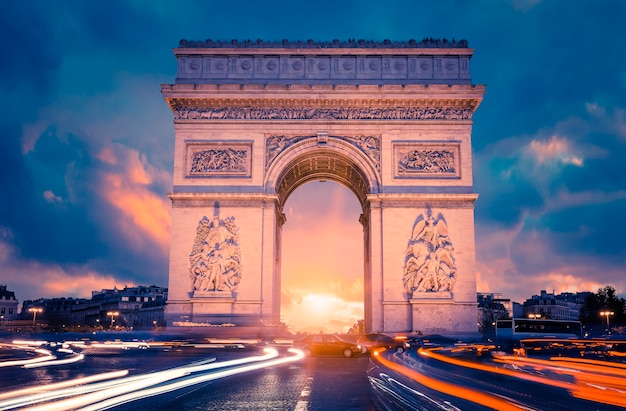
column 107, row 394
column 45, row 356
column 74, row 358
column 188, row 381
column 62, row 384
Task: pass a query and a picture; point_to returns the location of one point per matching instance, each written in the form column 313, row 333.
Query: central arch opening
column 322, row 257
column 322, row 274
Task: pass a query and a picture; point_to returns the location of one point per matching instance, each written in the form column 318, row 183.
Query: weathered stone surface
column 391, row 121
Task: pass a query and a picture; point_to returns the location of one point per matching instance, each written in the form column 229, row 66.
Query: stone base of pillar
column 443, row 316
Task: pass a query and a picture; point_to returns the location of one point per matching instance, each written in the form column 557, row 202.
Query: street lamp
column 607, row 314
column 113, row 314
column 35, row 310
column 534, row 316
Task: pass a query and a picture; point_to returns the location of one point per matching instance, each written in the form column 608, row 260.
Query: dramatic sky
column 86, row 142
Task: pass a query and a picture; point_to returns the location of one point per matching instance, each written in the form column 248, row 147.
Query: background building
column 564, row 306
column 492, row 307
column 140, row 307
column 8, row 305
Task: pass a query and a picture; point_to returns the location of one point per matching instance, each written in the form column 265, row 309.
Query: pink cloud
column 31, row 280
column 127, row 190
column 555, row 150
column 498, row 272
column 50, row 197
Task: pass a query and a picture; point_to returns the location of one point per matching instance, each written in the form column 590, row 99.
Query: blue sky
column 87, row 140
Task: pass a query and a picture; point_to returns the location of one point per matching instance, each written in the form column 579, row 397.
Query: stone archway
column 390, row 121
column 347, row 161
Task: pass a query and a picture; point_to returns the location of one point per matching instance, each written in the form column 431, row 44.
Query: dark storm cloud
column 63, row 216
column 545, row 63
column 59, row 61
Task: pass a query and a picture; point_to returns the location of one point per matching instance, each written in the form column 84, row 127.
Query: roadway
column 182, row 377
column 253, row 375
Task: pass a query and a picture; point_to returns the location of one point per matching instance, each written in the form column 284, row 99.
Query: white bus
column 530, row 328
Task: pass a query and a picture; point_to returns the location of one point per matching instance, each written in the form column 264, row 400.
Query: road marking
column 303, row 401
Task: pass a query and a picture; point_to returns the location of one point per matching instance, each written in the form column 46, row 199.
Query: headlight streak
column 74, row 358
column 441, row 405
column 62, row 384
column 123, row 390
column 75, row 387
column 45, row 356
column 128, row 381
column 191, row 380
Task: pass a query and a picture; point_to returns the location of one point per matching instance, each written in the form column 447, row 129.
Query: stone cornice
column 308, row 89
column 322, row 96
column 422, row 200
column 225, row 199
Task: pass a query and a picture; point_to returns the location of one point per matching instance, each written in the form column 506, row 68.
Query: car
column 435, row 340
column 327, row 344
column 369, row 342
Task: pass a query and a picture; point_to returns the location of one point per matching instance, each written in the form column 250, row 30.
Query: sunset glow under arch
column 322, row 259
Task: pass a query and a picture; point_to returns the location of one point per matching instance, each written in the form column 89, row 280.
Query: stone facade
column 391, row 121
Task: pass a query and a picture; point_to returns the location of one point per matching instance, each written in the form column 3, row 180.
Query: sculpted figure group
column 428, row 161
column 215, row 259
column 429, row 259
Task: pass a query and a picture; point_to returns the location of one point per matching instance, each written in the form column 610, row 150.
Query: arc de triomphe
column 391, row 121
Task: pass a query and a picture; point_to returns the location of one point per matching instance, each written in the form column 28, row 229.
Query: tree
column 605, row 299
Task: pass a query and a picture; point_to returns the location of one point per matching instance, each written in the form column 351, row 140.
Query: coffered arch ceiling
column 322, row 164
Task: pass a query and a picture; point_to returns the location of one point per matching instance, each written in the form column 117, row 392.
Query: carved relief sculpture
column 369, row 145
column 215, row 258
column 427, row 161
column 226, row 160
column 217, row 159
column 429, row 264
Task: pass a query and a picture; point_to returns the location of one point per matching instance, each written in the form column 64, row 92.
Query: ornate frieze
column 218, row 159
column 215, row 258
column 429, row 263
column 369, row 145
column 427, row 160
column 338, row 113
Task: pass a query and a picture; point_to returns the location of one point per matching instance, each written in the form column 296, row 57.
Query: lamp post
column 534, row 316
column 607, row 314
column 113, row 314
column 35, row 310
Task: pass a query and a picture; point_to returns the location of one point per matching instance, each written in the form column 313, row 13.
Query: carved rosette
column 215, row 258
column 339, row 113
column 369, row 145
column 429, row 263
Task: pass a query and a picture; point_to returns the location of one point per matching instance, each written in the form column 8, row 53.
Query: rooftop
column 312, row 44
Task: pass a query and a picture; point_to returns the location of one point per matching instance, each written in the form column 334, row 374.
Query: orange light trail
column 598, row 381
column 474, row 396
